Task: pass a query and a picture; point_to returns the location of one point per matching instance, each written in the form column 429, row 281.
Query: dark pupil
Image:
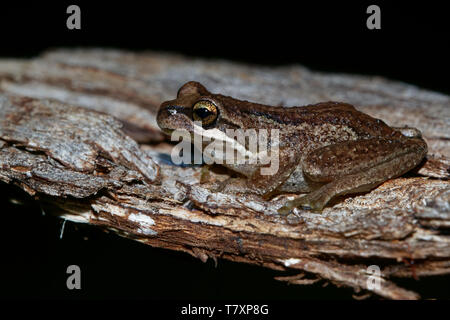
column 202, row 112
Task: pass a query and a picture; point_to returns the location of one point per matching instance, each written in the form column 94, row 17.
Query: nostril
column 166, row 112
column 171, row 110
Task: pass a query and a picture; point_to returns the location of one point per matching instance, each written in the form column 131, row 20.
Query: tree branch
column 61, row 143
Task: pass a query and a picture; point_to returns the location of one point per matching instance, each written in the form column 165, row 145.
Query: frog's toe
column 314, row 201
column 310, row 201
column 285, row 210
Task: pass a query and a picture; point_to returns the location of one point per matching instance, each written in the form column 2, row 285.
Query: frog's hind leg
column 349, row 172
column 317, row 199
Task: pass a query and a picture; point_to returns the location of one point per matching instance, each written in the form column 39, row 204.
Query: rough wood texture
column 61, row 144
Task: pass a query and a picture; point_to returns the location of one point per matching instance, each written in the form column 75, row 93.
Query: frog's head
column 195, row 108
column 202, row 113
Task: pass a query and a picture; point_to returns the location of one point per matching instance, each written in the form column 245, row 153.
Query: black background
column 412, row 46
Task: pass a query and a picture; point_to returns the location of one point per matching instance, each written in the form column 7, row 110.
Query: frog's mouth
column 167, row 131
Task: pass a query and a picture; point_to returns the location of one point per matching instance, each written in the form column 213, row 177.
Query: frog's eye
column 205, row 111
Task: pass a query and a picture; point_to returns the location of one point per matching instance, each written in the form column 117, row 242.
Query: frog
column 325, row 150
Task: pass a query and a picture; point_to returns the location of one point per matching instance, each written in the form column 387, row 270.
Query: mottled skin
column 326, row 149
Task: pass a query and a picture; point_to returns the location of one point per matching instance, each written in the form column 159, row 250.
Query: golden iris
column 205, row 111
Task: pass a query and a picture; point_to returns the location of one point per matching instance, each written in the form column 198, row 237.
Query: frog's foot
column 314, row 201
column 232, row 185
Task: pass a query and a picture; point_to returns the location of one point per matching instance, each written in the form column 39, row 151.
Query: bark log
column 66, row 119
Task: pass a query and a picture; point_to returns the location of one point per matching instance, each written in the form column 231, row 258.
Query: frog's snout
column 163, row 115
column 171, row 117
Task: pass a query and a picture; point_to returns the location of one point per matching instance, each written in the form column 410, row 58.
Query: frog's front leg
column 356, row 166
column 263, row 182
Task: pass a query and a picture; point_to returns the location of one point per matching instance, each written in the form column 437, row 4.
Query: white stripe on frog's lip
column 218, row 135
column 167, row 131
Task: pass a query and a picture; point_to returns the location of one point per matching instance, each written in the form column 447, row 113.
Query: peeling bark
column 66, row 119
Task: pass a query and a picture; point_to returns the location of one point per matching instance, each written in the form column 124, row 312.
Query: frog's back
column 328, row 114
column 341, row 114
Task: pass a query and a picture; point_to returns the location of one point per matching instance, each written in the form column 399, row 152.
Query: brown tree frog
column 325, row 150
